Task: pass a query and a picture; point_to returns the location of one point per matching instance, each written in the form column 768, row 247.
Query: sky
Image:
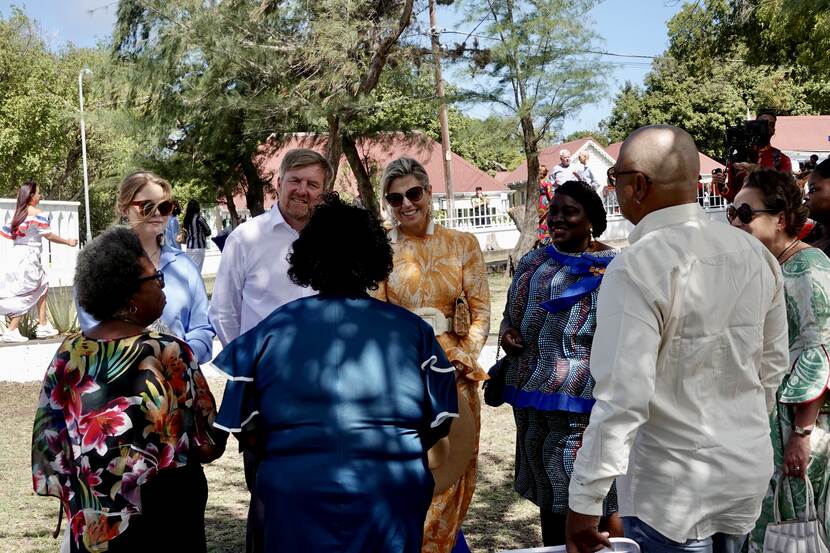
column 626, row 26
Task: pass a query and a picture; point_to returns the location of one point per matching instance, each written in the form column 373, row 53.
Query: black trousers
column 172, row 515
column 255, row 527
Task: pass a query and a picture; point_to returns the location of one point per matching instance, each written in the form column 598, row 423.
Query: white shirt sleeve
column 776, row 360
column 226, row 304
column 623, row 363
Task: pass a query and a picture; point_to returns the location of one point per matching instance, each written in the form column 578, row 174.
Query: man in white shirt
column 690, row 347
column 252, row 280
column 585, row 173
column 563, row 172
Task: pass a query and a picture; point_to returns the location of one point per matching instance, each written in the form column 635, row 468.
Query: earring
column 133, row 309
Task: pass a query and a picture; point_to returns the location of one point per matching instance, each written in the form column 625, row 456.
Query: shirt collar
column 168, row 255
column 276, row 216
column 665, row 217
column 393, row 234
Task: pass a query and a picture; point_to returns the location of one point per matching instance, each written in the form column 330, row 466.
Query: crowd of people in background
column 666, row 392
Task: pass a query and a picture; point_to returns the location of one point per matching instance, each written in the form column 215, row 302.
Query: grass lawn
column 498, row 517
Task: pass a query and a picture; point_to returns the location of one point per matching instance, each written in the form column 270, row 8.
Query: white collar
column 393, row 234
column 665, row 217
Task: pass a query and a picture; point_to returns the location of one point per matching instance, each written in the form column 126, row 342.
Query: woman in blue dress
column 548, row 327
column 348, row 399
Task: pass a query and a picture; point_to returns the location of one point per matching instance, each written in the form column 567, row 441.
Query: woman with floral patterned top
column 437, row 271
column 124, row 417
column 770, row 207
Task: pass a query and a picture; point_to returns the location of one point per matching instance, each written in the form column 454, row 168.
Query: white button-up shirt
column 252, row 279
column 690, row 347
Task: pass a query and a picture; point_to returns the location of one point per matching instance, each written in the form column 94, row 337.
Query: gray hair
column 303, row 157
column 403, row 167
column 564, row 153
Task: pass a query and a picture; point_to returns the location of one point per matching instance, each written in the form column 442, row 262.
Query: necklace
column 789, row 246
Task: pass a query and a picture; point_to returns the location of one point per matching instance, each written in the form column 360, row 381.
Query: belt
column 436, row 319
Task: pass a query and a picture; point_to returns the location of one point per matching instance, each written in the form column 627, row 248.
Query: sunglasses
column 157, row 276
column 148, row 207
column 414, row 194
column 613, row 174
column 744, row 213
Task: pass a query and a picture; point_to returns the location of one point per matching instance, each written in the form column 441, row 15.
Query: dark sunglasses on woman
column 148, row 207
column 744, row 213
column 157, row 276
column 414, row 194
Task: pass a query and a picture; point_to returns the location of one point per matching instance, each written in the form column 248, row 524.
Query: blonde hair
column 403, row 167
column 303, row 157
column 131, row 185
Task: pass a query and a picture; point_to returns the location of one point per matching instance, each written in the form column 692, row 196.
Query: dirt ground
column 498, row 518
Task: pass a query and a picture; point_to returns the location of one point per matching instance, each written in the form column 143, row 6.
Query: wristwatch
column 803, row 430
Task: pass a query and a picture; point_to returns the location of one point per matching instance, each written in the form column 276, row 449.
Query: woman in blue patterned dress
column 548, row 328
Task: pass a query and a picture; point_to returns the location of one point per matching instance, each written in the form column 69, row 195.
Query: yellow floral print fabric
column 434, row 271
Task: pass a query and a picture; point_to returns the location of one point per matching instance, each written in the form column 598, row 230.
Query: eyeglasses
column 148, row 207
column 613, row 174
column 414, row 194
column 158, row 276
column 744, row 213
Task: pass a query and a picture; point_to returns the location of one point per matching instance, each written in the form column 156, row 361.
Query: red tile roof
column 706, row 162
column 805, row 133
column 381, row 150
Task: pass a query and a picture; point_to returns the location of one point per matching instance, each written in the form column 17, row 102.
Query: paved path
column 27, row 362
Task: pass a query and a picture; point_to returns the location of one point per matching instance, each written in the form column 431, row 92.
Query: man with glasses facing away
column 685, row 377
column 252, row 279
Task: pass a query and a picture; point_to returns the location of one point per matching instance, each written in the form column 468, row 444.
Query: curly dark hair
column 590, row 201
column 781, row 193
column 107, row 272
column 342, row 251
column 823, row 169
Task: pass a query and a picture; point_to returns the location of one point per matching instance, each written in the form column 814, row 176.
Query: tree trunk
column 528, row 222
column 222, row 184
column 334, row 149
column 364, row 183
column 254, row 195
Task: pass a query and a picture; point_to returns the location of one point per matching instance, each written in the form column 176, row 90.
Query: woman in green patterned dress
column 770, row 207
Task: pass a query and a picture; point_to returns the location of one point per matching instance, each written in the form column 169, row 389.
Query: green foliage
column 63, row 314
column 492, row 144
column 597, row 135
column 704, row 85
column 784, row 32
column 533, row 68
column 39, row 119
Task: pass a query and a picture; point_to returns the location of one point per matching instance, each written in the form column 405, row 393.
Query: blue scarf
column 589, row 267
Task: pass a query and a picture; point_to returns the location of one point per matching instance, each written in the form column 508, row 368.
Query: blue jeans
column 652, row 541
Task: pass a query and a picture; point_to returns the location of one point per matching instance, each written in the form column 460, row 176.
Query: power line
column 598, row 52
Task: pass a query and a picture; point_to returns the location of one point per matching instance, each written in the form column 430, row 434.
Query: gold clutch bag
column 461, row 319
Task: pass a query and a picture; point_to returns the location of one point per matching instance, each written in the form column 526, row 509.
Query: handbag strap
column 811, row 505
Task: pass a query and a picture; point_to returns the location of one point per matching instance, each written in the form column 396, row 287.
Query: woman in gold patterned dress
column 436, row 270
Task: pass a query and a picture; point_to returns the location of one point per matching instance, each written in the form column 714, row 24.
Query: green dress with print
column 807, row 292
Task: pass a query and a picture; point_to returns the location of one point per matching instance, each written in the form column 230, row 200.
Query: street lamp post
column 83, row 151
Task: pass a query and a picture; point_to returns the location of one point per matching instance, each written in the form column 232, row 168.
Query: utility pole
column 445, row 124
column 83, row 72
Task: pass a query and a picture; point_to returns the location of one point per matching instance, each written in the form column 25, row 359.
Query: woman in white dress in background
column 24, row 283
